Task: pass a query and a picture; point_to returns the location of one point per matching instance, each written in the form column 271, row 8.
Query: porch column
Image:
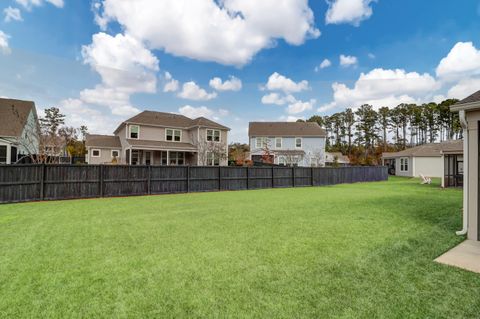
column 168, row 158
column 9, row 153
column 130, row 158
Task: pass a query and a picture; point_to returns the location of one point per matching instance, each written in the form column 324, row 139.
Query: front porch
column 160, row 157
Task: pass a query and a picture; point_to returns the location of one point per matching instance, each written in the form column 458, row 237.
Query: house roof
column 161, row 145
column 170, row 120
column 475, row 97
column 471, row 102
column 107, row 141
column 429, row 150
column 14, row 115
column 285, row 129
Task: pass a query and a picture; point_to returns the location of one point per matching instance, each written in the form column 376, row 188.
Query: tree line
column 365, row 133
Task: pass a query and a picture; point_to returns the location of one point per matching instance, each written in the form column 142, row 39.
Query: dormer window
column 134, row 131
column 173, row 135
column 213, row 135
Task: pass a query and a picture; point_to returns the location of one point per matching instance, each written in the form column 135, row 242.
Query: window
column 281, row 160
column 176, row 158
column 3, row 154
column 173, row 135
column 298, row 142
column 135, row 157
column 134, row 131
column 13, row 155
column 213, row 159
column 278, row 142
column 213, row 135
column 261, row 142
column 115, row 153
column 95, row 153
column 404, row 164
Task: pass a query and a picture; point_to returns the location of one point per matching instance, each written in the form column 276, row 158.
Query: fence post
column 219, row 178
column 248, row 178
column 188, row 179
column 42, row 181
column 311, row 175
column 293, row 176
column 149, row 181
column 101, row 181
column 273, row 179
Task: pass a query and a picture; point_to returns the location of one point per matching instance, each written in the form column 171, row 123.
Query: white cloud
column 300, row 106
column 464, row 88
column 28, row 4
column 228, row 32
column 462, row 60
column 4, row 48
column 348, row 60
column 194, row 112
column 290, row 118
column 125, row 66
column 276, row 98
column 172, row 85
column 325, row 64
column 348, row 11
column 12, row 14
column 192, row 91
column 371, row 56
column 202, row 111
column 233, row 84
column 383, row 87
column 278, row 82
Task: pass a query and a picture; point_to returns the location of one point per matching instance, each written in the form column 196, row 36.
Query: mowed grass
column 346, row 251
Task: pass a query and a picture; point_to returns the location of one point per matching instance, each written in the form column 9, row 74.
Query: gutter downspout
column 464, row 124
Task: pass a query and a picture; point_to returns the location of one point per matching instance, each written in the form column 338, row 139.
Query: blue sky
column 102, row 61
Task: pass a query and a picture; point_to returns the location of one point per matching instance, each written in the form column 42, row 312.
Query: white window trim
column 301, row 142
column 213, row 135
column 403, row 161
column 99, row 152
column 281, row 142
column 130, row 132
column 173, row 135
column 111, row 153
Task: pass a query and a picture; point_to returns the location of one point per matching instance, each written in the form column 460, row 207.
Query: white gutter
column 463, row 122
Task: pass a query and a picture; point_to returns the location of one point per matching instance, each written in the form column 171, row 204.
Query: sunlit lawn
column 346, row 251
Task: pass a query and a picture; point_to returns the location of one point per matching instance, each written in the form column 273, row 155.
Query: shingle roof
column 429, row 150
column 108, row 141
column 14, row 115
column 285, row 129
column 475, row 97
column 162, row 144
column 170, row 120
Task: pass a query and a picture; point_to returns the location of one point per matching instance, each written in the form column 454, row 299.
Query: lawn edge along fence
column 23, row 183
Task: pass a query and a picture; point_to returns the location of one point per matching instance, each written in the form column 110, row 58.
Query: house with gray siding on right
column 288, row 143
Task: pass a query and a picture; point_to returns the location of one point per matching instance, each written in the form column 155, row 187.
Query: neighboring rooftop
column 286, row 129
column 170, row 120
column 475, row 97
column 13, row 116
column 429, row 150
column 108, row 141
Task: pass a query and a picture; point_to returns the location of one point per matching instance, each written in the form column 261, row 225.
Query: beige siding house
column 157, row 138
column 19, row 130
column 428, row 159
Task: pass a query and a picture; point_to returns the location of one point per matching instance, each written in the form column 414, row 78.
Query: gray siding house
column 287, row 143
column 158, row 138
column 19, row 130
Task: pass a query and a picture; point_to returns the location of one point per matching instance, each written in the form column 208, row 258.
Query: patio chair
column 425, row 179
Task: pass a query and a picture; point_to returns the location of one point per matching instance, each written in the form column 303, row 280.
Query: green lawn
column 346, row 251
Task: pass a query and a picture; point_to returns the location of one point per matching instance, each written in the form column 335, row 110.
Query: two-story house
column 158, row 138
column 19, row 130
column 287, row 143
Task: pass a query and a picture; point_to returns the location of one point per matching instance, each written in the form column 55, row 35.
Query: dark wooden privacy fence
column 20, row 183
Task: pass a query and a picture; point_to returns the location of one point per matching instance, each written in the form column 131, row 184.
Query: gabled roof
column 14, row 115
column 107, row 141
column 475, row 97
column 170, row 120
column 300, row 129
column 429, row 150
column 471, row 102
